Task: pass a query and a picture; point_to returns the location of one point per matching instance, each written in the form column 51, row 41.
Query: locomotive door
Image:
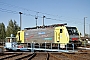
column 60, row 34
column 57, row 36
column 63, row 36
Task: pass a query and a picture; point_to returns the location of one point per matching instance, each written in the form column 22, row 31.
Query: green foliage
column 16, row 28
column 2, row 31
column 12, row 28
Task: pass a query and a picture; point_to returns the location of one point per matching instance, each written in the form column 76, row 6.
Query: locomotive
column 56, row 33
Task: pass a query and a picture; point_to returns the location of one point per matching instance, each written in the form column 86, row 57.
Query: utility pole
column 20, row 20
column 89, row 30
column 36, row 17
column 84, row 26
column 43, row 20
column 36, row 20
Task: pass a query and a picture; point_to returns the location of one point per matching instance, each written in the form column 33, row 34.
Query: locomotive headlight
column 74, row 39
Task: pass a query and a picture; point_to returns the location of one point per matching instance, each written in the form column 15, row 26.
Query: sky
column 71, row 12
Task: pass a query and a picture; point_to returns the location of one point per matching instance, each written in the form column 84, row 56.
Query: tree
column 12, row 28
column 2, row 32
column 16, row 28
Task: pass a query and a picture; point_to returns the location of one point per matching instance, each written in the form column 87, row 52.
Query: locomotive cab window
column 19, row 35
column 60, row 30
column 72, row 31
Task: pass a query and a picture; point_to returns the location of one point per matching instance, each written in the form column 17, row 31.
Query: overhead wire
column 13, row 6
column 28, row 10
column 8, row 11
column 15, row 12
column 18, row 7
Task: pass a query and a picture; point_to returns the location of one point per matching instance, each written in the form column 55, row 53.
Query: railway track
column 8, row 56
column 77, row 56
column 17, row 56
column 27, row 57
column 24, row 56
column 70, row 56
column 58, row 56
column 44, row 56
column 41, row 56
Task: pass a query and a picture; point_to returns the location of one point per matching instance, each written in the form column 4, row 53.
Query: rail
column 47, row 58
column 44, row 56
column 10, row 56
column 54, row 56
column 30, row 56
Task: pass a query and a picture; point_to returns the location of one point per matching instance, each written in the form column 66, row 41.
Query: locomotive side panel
column 20, row 36
column 61, row 35
column 39, row 35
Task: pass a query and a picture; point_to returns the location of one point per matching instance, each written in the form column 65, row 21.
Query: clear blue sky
column 71, row 12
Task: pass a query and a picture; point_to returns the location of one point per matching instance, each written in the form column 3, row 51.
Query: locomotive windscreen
column 72, row 30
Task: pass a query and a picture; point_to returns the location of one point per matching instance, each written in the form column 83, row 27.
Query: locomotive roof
column 54, row 25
